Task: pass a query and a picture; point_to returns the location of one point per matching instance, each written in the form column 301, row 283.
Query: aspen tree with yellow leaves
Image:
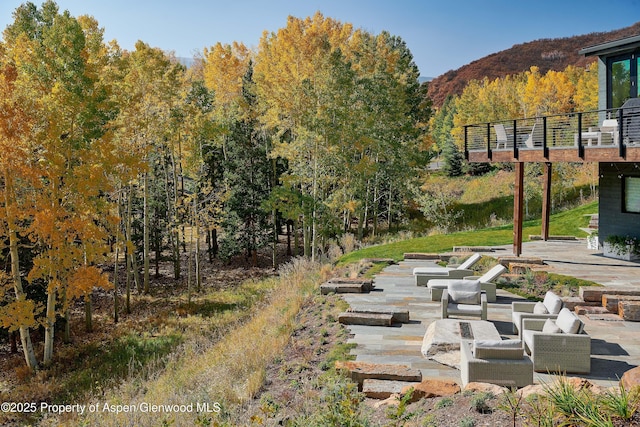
column 62, row 194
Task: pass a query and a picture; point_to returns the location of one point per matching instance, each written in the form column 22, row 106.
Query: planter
column 592, row 242
column 625, row 253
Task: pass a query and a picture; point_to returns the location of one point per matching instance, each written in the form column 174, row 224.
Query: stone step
column 629, row 310
column 360, row 371
column 594, row 293
column 590, row 309
column 383, row 389
column 398, row 315
column 523, row 268
column 572, row 302
column 421, row 255
column 539, row 237
column 379, row 260
column 343, row 288
column 506, row 260
column 472, row 249
column 610, row 302
column 367, row 284
column 367, row 319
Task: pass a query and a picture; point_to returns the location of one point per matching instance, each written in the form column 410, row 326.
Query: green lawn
column 566, row 223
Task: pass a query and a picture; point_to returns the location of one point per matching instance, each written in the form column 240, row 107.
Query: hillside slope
column 547, row 54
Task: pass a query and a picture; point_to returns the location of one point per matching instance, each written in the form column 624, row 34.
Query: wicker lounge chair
column 558, row 346
column 424, row 274
column 503, row 363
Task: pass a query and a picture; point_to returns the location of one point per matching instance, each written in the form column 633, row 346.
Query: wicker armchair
column 464, row 298
column 547, row 309
column 505, row 365
column 557, row 351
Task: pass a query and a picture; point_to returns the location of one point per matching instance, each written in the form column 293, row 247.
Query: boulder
column 383, row 389
column 432, row 388
column 530, row 390
column 494, row 389
column 631, row 378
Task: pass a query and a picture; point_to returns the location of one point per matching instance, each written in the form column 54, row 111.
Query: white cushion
column 550, row 327
column 568, row 321
column 438, row 284
column 431, row 271
column 540, row 308
column 464, row 291
column 498, row 349
column 553, row 302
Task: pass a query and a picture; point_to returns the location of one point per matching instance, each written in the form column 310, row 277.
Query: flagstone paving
column 615, row 343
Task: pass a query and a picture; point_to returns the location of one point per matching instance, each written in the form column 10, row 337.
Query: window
column 631, row 194
column 622, row 79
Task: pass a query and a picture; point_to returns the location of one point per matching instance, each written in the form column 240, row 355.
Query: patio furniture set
column 551, row 338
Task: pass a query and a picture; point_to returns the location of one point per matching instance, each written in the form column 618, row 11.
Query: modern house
column 609, row 136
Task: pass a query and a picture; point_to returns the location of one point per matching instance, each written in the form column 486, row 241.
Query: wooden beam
column 518, row 196
column 591, row 154
column 546, row 199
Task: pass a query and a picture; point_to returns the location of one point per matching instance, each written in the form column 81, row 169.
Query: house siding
column 611, row 218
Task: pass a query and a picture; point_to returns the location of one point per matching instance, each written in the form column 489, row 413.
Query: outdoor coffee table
column 442, row 340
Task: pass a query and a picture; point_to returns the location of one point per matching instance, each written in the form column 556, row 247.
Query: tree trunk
column 197, row 249
column 49, row 326
column 389, row 211
column 88, row 321
column 25, row 335
column 116, row 307
column 145, row 248
column 129, row 271
column 13, row 341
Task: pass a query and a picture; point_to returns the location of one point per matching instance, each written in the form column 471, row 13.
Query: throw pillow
column 550, row 327
column 464, row 291
column 540, row 308
column 552, row 302
column 568, row 321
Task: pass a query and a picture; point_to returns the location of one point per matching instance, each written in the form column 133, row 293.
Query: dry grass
column 231, row 371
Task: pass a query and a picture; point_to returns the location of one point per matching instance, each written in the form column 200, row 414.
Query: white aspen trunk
column 25, row 335
column 49, row 327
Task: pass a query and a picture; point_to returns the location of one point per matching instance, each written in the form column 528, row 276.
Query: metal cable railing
column 599, row 128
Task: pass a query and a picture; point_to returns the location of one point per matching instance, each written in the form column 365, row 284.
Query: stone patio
column 615, row 343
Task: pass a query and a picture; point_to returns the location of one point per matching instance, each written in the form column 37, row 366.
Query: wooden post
column 546, row 200
column 518, row 196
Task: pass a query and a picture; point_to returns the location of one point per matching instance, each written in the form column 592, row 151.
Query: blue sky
column 442, row 35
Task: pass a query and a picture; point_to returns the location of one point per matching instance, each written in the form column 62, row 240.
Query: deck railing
column 577, row 130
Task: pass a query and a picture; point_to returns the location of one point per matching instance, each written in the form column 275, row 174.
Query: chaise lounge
column 436, row 286
column 424, row 274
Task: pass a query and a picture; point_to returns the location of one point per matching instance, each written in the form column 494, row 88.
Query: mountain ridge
column 547, row 54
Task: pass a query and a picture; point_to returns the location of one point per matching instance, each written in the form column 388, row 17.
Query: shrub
column 622, row 403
